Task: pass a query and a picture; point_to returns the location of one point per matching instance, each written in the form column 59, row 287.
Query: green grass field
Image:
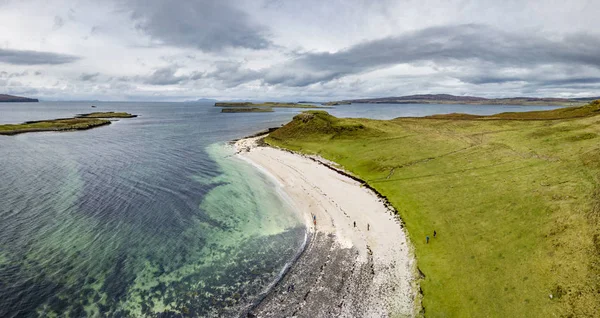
column 514, row 198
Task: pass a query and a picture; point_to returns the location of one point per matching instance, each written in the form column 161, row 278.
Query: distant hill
column 204, row 100
column 472, row 100
column 16, row 99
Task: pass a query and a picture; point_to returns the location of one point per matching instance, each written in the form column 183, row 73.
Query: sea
column 151, row 216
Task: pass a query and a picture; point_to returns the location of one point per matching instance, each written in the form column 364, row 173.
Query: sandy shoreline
column 366, row 270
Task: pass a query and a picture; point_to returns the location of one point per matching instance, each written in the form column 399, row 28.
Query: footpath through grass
column 514, row 198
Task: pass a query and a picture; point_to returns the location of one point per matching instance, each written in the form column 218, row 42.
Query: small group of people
column 427, row 237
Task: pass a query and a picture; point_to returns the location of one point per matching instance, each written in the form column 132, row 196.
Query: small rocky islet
column 266, row 107
column 79, row 122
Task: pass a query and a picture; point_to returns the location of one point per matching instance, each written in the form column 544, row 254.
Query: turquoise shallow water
column 150, row 216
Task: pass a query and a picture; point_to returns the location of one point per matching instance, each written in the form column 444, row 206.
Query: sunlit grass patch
column 514, row 199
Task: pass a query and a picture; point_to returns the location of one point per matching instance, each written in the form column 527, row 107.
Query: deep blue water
column 150, row 215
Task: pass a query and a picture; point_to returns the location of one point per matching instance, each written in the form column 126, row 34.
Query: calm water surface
column 150, row 216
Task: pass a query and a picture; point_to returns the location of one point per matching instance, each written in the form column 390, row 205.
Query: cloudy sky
column 295, row 49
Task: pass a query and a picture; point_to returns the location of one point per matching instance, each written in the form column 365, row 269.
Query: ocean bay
column 146, row 215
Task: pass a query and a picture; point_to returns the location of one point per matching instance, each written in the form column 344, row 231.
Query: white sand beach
column 367, row 270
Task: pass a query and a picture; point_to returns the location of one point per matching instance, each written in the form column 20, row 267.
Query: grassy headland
column 514, row 198
column 81, row 122
column 267, row 104
column 247, row 110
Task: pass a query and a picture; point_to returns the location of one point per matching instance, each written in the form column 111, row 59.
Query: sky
column 154, row 50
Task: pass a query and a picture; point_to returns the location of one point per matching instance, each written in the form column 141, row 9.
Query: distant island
column 106, row 115
column 469, row 100
column 326, row 103
column 247, row 110
column 79, row 122
column 266, row 104
column 343, row 102
column 202, row 100
column 16, row 99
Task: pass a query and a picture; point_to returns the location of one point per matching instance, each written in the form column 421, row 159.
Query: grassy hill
column 514, row 198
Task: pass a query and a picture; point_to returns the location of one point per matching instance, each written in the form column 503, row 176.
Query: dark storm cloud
column 574, row 81
column 88, row 77
column 166, row 76
column 4, row 74
column 203, row 24
column 20, row 57
column 531, row 79
column 59, row 22
column 451, row 45
column 232, row 74
column 489, row 79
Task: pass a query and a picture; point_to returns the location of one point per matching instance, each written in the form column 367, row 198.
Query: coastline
column 343, row 271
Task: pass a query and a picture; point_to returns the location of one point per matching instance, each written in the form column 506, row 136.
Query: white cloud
column 284, row 49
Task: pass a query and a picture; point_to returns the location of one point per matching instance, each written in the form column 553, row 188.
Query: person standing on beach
column 354, row 223
column 368, row 226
